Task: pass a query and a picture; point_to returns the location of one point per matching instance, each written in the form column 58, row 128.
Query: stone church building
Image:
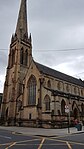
column 36, row 95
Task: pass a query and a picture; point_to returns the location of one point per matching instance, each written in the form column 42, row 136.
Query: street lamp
column 67, row 110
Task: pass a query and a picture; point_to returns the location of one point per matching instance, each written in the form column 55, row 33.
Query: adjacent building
column 36, row 95
column 1, row 95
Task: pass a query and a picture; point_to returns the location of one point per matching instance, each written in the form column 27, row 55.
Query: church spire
column 21, row 28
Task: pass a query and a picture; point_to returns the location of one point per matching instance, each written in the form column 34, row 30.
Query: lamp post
column 67, row 110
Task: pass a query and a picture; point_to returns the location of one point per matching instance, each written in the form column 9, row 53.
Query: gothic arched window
column 12, row 57
column 73, row 104
column 47, row 102
column 63, row 106
column 21, row 56
column 67, row 87
column 49, row 84
column 59, row 85
column 81, row 92
column 32, row 90
column 75, row 91
column 26, row 57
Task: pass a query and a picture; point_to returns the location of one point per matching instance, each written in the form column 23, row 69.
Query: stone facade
column 35, row 95
column 1, row 96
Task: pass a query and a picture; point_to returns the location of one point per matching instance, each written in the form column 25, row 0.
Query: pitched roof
column 56, row 74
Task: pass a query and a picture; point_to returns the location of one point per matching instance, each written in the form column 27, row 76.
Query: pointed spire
column 21, row 28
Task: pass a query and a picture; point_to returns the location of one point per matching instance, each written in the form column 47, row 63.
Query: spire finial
column 21, row 28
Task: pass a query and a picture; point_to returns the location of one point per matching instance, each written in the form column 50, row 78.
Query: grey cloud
column 55, row 25
column 3, row 62
column 58, row 10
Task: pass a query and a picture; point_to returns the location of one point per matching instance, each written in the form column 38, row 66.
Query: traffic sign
column 66, row 109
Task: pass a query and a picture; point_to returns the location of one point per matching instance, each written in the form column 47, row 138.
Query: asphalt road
column 14, row 140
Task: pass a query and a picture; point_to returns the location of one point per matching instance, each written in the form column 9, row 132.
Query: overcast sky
column 57, row 28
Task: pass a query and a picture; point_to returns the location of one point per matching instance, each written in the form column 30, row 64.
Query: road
column 13, row 140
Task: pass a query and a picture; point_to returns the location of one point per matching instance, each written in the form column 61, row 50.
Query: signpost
column 66, row 109
column 68, row 114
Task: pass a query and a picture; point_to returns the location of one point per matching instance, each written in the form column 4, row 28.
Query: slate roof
column 56, row 74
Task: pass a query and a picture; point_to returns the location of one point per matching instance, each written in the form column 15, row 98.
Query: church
column 36, row 95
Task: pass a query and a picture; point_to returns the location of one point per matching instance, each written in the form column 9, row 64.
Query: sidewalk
column 42, row 131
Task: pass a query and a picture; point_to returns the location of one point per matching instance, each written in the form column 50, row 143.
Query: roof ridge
column 57, row 74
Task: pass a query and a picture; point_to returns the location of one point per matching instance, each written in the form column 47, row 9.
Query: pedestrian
column 76, row 122
column 80, row 124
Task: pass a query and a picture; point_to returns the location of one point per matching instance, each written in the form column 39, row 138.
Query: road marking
column 11, row 145
column 72, row 142
column 5, row 144
column 27, row 140
column 19, row 142
column 41, row 143
column 55, row 144
column 13, row 133
column 5, row 137
column 55, row 137
column 69, row 146
column 61, row 136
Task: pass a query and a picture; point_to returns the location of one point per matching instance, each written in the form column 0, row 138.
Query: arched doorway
column 75, row 113
column 63, row 103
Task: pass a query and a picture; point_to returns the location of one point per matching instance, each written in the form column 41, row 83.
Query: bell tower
column 20, row 57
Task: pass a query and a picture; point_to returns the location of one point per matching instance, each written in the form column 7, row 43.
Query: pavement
column 42, row 131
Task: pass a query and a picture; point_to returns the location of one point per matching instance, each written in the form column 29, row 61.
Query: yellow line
column 72, row 142
column 23, row 134
column 18, row 142
column 55, row 144
column 69, row 146
column 10, row 145
column 41, row 143
column 61, row 136
column 27, row 140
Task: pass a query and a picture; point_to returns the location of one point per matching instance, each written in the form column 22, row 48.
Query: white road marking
column 5, row 137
